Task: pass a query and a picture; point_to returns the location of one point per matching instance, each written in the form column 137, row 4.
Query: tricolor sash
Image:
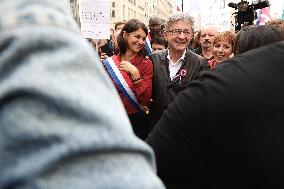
column 148, row 44
column 112, row 64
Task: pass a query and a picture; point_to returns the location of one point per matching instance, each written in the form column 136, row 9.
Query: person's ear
column 191, row 38
column 125, row 35
column 165, row 34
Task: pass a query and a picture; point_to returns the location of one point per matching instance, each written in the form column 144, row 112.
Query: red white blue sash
column 148, row 44
column 112, row 64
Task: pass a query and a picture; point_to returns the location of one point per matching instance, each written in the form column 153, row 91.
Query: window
column 123, row 11
column 132, row 1
column 113, row 4
column 113, row 13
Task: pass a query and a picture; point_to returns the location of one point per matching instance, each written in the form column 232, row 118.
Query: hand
column 145, row 109
column 129, row 68
column 103, row 56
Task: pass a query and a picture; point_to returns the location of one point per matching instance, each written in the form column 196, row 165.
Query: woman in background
column 222, row 48
column 132, row 74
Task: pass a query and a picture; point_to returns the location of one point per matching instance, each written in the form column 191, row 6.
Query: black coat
column 165, row 90
column 227, row 128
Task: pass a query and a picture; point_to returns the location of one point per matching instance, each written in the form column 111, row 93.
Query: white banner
column 95, row 18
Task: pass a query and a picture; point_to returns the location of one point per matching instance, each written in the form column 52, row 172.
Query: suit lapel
column 164, row 64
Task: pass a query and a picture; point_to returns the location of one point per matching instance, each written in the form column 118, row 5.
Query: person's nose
column 182, row 35
column 220, row 50
column 141, row 41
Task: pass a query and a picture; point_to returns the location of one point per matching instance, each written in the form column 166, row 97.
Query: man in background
column 155, row 26
column 155, row 30
column 206, row 39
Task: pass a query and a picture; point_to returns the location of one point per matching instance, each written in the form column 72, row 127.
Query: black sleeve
column 178, row 139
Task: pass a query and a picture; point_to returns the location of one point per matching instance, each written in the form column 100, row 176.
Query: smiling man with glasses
column 175, row 66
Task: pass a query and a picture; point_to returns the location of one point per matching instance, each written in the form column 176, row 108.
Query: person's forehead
column 140, row 31
column 180, row 24
column 208, row 31
column 223, row 41
column 155, row 21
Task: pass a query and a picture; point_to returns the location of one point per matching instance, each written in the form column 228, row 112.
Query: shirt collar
column 181, row 58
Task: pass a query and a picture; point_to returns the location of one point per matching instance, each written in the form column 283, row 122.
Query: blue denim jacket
column 62, row 124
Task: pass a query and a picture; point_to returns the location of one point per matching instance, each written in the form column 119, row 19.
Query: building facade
column 123, row 10
column 75, row 9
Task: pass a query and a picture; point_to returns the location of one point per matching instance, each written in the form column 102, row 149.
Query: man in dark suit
column 175, row 66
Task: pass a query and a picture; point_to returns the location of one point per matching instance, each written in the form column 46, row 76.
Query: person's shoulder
column 192, row 53
column 158, row 53
column 269, row 55
column 193, row 56
column 147, row 60
column 196, row 51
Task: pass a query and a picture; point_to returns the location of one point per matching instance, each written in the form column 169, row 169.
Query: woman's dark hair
column 129, row 27
column 251, row 37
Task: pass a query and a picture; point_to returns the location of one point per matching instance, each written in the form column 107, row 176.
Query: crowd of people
column 206, row 105
column 177, row 54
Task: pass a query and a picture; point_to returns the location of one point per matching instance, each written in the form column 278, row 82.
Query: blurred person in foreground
column 175, row 66
column 251, row 37
column 132, row 74
column 222, row 48
column 62, row 123
column 225, row 130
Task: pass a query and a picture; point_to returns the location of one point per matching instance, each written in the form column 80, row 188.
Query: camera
column 246, row 13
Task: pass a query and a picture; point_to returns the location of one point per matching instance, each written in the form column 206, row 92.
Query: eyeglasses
column 178, row 32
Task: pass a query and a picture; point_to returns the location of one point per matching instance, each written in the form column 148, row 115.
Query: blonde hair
column 225, row 36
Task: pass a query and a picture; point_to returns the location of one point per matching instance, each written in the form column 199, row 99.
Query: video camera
column 246, row 13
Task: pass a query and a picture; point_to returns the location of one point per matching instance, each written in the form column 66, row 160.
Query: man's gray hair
column 180, row 16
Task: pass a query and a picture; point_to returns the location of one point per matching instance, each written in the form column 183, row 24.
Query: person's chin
column 137, row 50
column 219, row 60
column 181, row 48
column 206, row 45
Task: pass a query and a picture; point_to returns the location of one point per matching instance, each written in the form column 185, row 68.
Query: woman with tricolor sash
column 132, row 74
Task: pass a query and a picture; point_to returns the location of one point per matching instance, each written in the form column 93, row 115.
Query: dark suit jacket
column 164, row 90
column 226, row 130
